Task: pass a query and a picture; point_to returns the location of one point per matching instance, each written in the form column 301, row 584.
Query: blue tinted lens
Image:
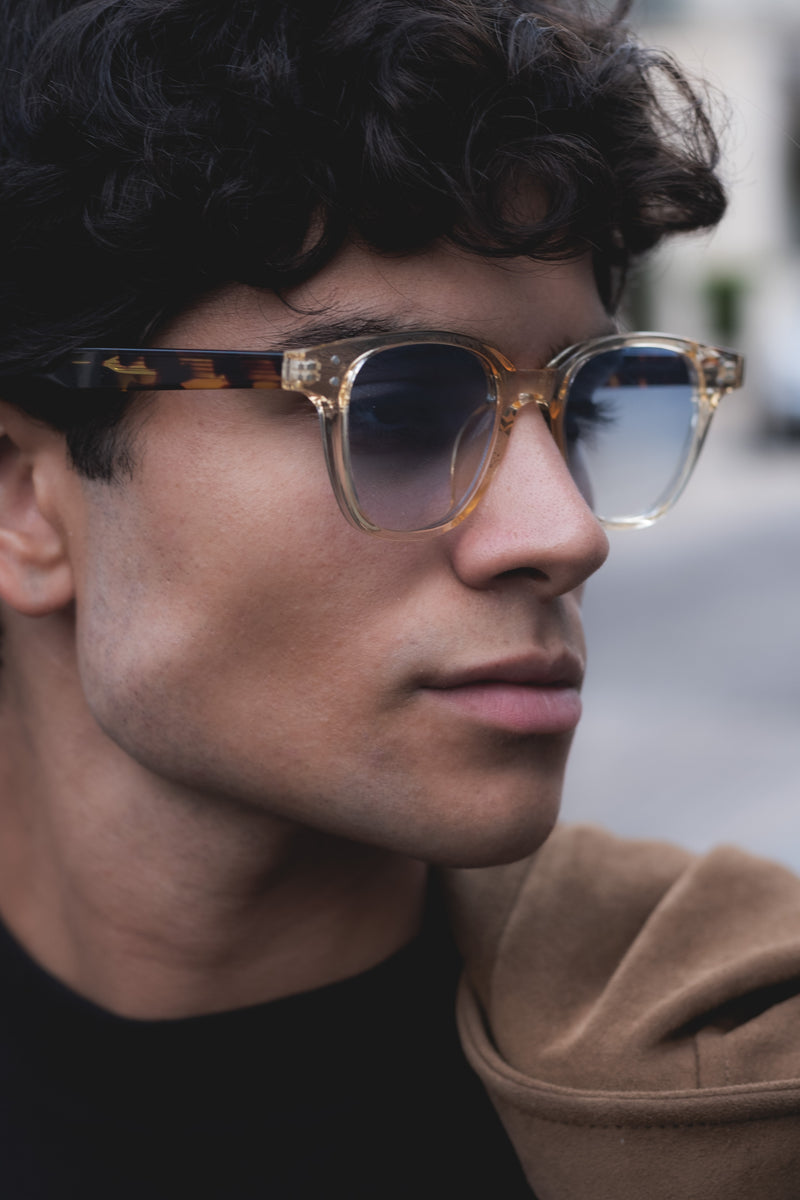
column 629, row 424
column 418, row 433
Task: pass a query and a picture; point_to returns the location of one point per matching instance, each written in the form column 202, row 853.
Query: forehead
column 519, row 306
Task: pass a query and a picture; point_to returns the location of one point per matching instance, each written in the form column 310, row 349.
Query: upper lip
column 532, row 670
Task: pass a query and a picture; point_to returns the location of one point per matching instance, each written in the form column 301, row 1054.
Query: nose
column 532, row 520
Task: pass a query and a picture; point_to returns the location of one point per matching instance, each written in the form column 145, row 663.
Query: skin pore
column 236, row 727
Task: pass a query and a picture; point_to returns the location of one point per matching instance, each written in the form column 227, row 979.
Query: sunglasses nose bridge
column 524, row 387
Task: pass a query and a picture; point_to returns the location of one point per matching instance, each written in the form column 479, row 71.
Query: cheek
column 184, row 565
column 233, row 615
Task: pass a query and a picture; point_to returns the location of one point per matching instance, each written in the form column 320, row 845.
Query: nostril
column 523, row 573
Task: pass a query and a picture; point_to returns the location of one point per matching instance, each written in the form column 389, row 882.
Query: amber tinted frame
column 325, row 375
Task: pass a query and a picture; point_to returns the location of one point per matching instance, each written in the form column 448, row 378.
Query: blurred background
column 692, row 723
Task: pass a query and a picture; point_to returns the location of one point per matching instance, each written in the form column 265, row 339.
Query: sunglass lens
column 629, row 428
column 418, row 433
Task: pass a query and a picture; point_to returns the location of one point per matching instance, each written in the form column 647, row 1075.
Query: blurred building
column 741, row 285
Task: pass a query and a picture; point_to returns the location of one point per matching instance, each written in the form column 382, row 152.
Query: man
column 312, row 400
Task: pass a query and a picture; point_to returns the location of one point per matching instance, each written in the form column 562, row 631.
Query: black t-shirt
column 357, row 1090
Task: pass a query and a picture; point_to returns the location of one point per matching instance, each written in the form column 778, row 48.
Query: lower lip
column 517, row 708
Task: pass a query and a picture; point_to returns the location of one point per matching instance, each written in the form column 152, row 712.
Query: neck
column 155, row 903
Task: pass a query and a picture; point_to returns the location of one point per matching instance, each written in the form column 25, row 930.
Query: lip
column 530, row 670
column 527, row 695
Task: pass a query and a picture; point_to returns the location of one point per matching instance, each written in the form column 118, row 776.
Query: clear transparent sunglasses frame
column 325, row 375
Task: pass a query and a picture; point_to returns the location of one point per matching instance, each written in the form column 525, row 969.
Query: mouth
column 530, row 695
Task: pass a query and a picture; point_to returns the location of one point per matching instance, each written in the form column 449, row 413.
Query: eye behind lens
column 418, row 433
column 629, row 426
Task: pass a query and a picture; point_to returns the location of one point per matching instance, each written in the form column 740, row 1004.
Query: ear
column 35, row 569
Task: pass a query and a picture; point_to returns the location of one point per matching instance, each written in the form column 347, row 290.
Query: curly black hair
column 151, row 150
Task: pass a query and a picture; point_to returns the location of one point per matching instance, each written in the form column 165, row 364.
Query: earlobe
column 35, row 570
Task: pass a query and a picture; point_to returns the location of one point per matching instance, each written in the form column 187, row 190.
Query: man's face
column 237, row 636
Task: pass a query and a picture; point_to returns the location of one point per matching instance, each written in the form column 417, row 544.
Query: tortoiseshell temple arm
column 164, row 370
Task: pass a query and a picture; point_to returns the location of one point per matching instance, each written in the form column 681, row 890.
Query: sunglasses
column 414, row 425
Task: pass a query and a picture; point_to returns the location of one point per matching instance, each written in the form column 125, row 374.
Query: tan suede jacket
column 634, row 1013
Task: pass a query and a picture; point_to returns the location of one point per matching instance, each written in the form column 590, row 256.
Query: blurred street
column 692, row 703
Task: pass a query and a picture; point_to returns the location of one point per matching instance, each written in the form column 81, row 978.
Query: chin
column 458, row 814
column 492, row 851
column 497, row 828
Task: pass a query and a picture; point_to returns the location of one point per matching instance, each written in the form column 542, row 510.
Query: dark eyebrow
column 334, row 329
